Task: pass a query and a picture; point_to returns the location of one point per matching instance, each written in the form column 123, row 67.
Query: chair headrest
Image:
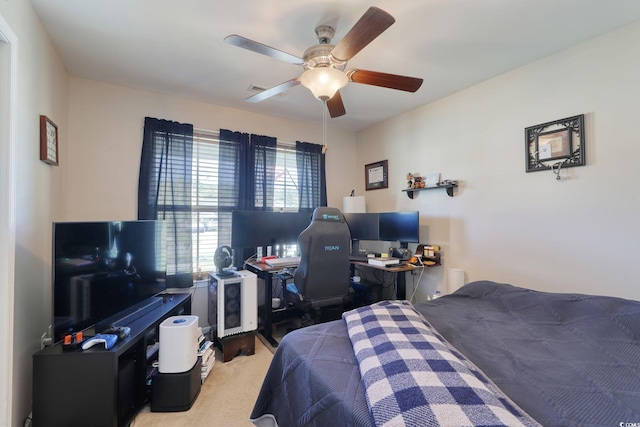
column 327, row 214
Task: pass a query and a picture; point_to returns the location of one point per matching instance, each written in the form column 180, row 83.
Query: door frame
column 8, row 133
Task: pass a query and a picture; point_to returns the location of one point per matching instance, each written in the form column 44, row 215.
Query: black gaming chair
column 323, row 275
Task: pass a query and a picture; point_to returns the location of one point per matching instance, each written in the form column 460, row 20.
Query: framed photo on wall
column 376, row 175
column 48, row 141
column 556, row 144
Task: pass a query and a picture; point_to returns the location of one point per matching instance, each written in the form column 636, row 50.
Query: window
column 286, row 182
column 204, row 199
column 211, row 224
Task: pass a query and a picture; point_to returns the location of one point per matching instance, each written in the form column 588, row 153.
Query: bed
column 560, row 359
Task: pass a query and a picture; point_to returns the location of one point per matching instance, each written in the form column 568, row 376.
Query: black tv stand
column 130, row 314
column 101, row 387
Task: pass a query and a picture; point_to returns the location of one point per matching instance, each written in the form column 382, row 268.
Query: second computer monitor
column 403, row 227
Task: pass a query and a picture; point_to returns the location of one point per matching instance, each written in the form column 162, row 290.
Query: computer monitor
column 403, row 227
column 363, row 226
column 252, row 229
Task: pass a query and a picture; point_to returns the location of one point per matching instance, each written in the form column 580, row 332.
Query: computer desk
column 266, row 272
column 401, row 281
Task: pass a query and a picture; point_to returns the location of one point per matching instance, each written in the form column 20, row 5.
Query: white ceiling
column 176, row 47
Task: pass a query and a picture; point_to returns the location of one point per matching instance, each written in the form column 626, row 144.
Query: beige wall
column 575, row 235
column 42, row 89
column 503, row 224
column 106, row 138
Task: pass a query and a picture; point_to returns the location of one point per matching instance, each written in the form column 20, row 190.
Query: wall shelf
column 449, row 187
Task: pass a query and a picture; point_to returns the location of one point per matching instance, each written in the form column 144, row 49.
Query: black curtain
column 312, row 180
column 246, row 177
column 164, row 191
column 234, row 191
column 264, row 152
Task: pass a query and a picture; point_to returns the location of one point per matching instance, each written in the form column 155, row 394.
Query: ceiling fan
column 325, row 63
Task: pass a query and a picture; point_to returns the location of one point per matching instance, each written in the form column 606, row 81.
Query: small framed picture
column 376, row 175
column 48, row 141
column 431, row 179
column 554, row 145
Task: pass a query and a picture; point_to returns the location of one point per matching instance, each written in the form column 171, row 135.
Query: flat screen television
column 403, row 227
column 101, row 269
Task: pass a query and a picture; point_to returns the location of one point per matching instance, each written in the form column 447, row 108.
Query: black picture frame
column 557, row 143
column 376, row 175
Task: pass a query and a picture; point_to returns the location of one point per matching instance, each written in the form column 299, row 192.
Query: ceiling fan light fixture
column 324, row 82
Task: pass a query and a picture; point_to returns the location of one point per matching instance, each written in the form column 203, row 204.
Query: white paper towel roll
column 455, row 279
column 354, row 204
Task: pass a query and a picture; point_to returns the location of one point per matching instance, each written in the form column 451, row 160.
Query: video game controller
column 121, row 331
column 109, row 340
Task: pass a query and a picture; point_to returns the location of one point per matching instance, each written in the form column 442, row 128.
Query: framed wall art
column 48, row 141
column 376, row 175
column 556, row 144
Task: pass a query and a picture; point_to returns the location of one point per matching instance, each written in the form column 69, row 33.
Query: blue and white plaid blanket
column 414, row 377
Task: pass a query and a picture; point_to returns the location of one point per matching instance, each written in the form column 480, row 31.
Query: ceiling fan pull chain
column 324, row 127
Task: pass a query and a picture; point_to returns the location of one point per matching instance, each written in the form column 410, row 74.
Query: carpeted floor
column 226, row 398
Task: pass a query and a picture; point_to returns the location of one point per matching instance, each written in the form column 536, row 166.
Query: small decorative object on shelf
column 418, row 181
column 447, row 184
column 431, row 179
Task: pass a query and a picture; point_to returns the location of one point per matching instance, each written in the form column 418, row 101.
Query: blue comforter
column 565, row 359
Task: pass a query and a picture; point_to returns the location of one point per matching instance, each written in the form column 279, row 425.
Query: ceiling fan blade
column 373, row 23
column 335, row 106
column 268, row 93
column 248, row 44
column 391, row 81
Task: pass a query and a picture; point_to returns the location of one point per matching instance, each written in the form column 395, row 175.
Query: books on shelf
column 206, row 368
column 206, row 354
column 207, row 357
column 384, row 261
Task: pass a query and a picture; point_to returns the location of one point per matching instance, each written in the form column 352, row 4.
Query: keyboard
column 283, row 262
